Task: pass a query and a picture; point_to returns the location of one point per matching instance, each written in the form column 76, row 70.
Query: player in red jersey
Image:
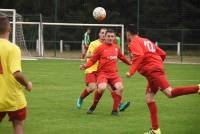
column 147, row 59
column 107, row 54
column 90, row 73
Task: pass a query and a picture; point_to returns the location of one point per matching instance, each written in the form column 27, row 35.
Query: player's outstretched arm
column 14, row 61
column 135, row 63
column 22, row 80
column 128, row 75
column 94, row 58
column 82, row 67
column 123, row 58
column 137, row 57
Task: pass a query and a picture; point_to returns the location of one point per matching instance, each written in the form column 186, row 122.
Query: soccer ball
column 99, row 13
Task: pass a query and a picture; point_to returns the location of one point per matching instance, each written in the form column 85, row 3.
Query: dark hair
column 4, row 24
column 109, row 30
column 131, row 28
column 88, row 28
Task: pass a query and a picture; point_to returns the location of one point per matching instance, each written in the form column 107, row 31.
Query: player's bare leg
column 153, row 114
column 97, row 96
column 171, row 93
column 87, row 91
column 179, row 91
column 18, row 127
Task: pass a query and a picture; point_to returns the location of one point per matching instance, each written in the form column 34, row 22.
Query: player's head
column 88, row 30
column 4, row 26
column 102, row 33
column 131, row 30
column 110, row 36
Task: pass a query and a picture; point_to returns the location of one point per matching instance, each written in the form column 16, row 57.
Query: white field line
column 182, row 80
column 182, row 63
column 53, row 58
column 24, row 58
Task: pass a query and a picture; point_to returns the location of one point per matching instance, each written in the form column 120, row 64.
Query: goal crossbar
column 80, row 24
column 71, row 24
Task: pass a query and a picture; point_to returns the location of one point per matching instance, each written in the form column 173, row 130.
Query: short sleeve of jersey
column 90, row 49
column 14, row 60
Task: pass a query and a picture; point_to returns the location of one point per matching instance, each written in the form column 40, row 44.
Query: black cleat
column 114, row 113
column 91, row 110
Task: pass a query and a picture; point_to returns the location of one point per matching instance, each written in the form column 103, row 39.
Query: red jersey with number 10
column 146, row 56
column 107, row 55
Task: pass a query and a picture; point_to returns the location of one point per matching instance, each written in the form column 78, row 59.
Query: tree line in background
column 160, row 20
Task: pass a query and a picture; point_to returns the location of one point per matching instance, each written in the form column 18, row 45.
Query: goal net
column 62, row 40
column 17, row 34
column 53, row 40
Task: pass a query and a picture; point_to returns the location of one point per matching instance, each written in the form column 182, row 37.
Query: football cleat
column 123, row 106
column 199, row 89
column 151, row 131
column 91, row 110
column 79, row 103
column 114, row 113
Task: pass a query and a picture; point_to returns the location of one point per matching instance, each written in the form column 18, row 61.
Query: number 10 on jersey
column 150, row 46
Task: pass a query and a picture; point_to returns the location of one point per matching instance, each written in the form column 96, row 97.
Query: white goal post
column 13, row 22
column 75, row 24
column 29, row 35
column 17, row 34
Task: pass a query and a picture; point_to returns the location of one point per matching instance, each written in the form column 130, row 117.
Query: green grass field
column 57, row 85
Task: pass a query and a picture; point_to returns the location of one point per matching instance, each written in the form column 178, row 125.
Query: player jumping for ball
column 147, row 59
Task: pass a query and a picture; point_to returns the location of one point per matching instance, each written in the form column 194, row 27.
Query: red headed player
column 107, row 54
column 147, row 59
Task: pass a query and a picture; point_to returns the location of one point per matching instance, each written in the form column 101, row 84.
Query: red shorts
column 91, row 78
column 156, row 80
column 15, row 115
column 107, row 78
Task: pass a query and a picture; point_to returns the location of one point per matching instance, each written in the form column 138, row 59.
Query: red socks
column 178, row 91
column 85, row 93
column 154, row 115
column 117, row 99
column 97, row 97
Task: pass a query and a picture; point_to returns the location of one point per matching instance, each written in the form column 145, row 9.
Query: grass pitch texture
column 57, row 84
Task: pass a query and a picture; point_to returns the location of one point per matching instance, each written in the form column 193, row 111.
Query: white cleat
column 151, row 131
